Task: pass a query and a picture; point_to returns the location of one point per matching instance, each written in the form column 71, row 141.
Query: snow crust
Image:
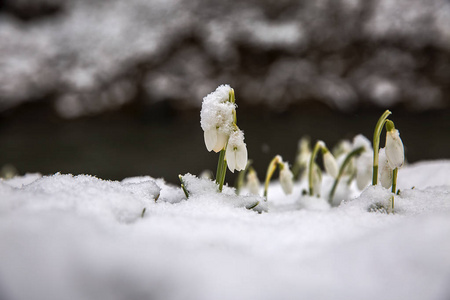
column 80, row 237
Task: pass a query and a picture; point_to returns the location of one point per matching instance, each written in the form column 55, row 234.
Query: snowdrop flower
column 385, row 169
column 215, row 139
column 376, row 144
column 320, row 146
column 286, row 178
column 343, row 147
column 216, row 118
column 206, row 174
column 394, row 146
column 302, row 158
column 253, row 182
column 236, row 153
column 330, row 163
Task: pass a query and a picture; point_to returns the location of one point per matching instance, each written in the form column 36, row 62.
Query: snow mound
column 82, row 195
column 205, row 190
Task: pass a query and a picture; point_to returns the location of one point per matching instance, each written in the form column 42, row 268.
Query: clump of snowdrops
column 222, row 134
column 358, row 161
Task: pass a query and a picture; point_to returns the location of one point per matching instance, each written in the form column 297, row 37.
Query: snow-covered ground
column 80, row 237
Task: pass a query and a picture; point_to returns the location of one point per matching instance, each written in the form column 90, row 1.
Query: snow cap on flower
column 216, row 118
column 385, row 169
column 236, row 154
column 330, row 163
column 286, row 178
column 394, row 146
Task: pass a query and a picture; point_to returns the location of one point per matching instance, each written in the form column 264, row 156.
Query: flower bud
column 215, row 140
column 236, row 154
column 394, row 148
column 330, row 164
column 253, row 182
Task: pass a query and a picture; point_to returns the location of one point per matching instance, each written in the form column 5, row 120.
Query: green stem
column 222, row 163
column 186, row 193
column 316, row 149
column 221, row 169
column 224, row 172
column 394, row 180
column 270, row 170
column 392, row 203
column 219, row 165
column 376, row 144
column 232, row 99
column 296, row 170
column 303, row 147
column 344, row 165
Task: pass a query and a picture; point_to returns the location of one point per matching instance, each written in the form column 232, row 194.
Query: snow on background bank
column 91, row 56
column 79, row 237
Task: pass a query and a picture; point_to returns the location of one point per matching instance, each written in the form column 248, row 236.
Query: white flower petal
column 361, row 141
column 221, row 141
column 253, row 182
column 210, row 139
column 241, row 157
column 330, row 164
column 394, row 149
column 230, row 156
column 286, row 179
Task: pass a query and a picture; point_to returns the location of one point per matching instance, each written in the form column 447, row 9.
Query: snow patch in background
column 90, row 57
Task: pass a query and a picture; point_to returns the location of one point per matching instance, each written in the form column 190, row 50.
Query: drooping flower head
column 216, row 118
column 304, row 151
column 253, row 182
column 342, row 149
column 236, row 153
column 286, row 178
column 394, row 146
column 330, row 163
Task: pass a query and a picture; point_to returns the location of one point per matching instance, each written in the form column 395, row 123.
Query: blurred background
column 114, row 88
